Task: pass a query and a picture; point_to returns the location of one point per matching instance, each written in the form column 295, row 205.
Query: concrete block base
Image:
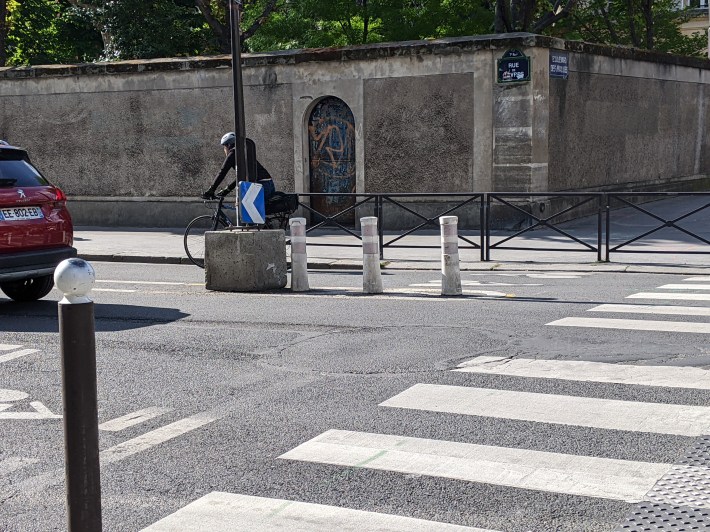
column 245, row 261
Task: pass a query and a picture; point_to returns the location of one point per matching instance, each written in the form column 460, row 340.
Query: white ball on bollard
column 74, row 278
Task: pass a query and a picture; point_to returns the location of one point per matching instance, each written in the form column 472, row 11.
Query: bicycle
column 194, row 238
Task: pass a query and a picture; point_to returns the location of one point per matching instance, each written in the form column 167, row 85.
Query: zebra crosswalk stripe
column 670, row 296
column 653, row 309
column 222, row 512
column 681, row 420
column 634, row 325
column 577, row 370
column 685, row 287
column 521, row 468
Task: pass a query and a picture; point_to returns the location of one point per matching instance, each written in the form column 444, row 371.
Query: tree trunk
column 632, row 24
column 610, row 27
column 261, row 20
column 648, row 18
column 366, row 22
column 221, row 31
column 501, row 24
column 3, row 33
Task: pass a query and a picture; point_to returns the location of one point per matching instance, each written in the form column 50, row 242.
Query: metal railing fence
column 492, row 209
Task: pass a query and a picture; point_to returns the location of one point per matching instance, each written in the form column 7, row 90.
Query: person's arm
column 226, row 167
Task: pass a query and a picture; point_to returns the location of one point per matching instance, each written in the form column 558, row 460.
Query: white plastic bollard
column 299, row 258
column 450, row 268
column 371, row 275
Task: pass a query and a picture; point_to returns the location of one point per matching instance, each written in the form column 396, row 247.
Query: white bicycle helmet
column 229, row 139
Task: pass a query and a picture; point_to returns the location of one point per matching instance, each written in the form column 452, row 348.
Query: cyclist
column 229, row 141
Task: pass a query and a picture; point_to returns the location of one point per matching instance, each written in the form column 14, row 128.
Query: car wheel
column 28, row 289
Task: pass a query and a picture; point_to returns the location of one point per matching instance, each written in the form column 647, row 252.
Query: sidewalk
column 165, row 246
column 668, row 250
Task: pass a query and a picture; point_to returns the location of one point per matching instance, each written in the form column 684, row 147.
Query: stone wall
column 620, row 123
column 133, row 143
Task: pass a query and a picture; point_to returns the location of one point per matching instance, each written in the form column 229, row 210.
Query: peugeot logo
column 21, row 193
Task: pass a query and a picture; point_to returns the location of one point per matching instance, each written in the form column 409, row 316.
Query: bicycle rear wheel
column 194, row 239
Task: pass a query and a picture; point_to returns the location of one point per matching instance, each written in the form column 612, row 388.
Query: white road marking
column 699, row 278
column 14, row 463
column 12, row 395
column 155, row 437
column 521, row 468
column 575, row 370
column 635, row 325
column 134, row 418
column 114, row 290
column 9, row 347
column 437, row 282
column 146, row 282
column 684, row 287
column 40, row 412
column 555, row 275
column 17, row 354
column 670, row 295
column 653, row 309
column 349, row 292
column 490, row 293
column 539, row 275
column 611, row 414
column 222, row 512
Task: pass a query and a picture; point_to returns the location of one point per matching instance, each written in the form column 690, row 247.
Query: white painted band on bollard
column 298, row 244
column 450, row 229
column 370, row 249
column 450, row 248
column 299, row 259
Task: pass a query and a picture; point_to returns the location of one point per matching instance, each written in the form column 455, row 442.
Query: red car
column 36, row 231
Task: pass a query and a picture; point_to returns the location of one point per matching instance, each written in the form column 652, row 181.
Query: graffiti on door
column 331, row 138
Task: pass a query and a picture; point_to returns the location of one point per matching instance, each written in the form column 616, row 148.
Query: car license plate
column 20, row 213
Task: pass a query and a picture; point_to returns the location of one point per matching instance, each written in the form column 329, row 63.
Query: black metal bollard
column 75, row 277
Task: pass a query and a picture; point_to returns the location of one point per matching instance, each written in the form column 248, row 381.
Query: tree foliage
column 61, row 31
column 645, row 24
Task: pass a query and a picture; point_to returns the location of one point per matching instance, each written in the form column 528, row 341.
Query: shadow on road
column 41, row 316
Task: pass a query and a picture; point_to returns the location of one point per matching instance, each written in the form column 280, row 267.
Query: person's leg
column 269, row 188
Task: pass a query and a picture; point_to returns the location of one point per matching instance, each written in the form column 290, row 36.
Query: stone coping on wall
column 454, row 45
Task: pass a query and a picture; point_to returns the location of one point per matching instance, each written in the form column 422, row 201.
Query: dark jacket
column 229, row 163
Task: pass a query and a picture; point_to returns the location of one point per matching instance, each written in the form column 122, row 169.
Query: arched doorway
column 331, row 141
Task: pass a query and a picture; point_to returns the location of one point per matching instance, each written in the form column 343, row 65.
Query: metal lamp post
column 235, row 13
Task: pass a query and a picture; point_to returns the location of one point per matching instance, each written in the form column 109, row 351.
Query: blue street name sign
column 559, row 64
column 252, row 209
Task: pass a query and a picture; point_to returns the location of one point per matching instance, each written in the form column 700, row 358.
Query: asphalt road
column 221, row 385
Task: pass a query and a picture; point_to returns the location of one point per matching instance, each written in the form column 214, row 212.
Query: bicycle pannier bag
column 282, row 202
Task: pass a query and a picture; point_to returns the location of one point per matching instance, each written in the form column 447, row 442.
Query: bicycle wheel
column 194, row 239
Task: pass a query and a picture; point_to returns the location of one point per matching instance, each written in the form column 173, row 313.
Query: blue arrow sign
column 252, row 209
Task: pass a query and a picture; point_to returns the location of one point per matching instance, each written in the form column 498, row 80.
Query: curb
column 604, row 267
